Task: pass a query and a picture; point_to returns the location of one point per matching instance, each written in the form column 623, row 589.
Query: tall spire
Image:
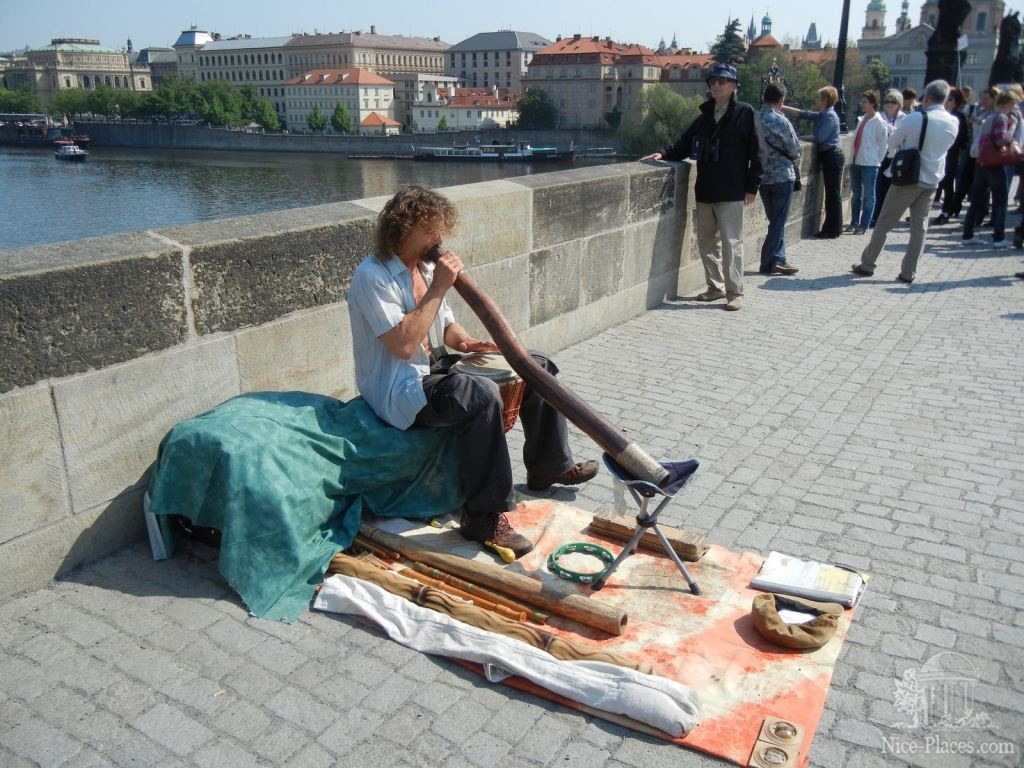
column 751, row 30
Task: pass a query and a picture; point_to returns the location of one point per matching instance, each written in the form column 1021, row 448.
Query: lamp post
column 837, row 78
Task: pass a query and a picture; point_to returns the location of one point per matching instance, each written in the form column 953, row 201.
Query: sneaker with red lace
column 577, row 474
column 494, row 529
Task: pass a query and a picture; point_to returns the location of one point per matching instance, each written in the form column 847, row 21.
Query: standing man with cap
column 725, row 142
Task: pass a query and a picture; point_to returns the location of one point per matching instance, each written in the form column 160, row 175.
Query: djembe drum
column 493, row 366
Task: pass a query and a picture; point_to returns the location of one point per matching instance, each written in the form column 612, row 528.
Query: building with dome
column 71, row 62
column 904, row 51
column 874, row 21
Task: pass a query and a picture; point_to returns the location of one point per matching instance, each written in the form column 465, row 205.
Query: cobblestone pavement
column 856, row 420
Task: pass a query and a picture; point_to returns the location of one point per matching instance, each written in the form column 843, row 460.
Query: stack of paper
column 806, row 578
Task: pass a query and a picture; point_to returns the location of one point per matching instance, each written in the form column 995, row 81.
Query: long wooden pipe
column 627, row 454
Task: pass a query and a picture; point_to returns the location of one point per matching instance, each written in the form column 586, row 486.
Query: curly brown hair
column 408, row 208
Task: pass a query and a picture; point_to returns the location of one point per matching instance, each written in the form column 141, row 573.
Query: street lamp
column 837, row 78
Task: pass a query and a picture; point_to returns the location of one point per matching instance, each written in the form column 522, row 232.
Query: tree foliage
column 316, row 120
column 442, row 124
column 729, row 46
column 665, row 114
column 536, row 110
column 22, row 100
column 265, row 114
column 341, row 121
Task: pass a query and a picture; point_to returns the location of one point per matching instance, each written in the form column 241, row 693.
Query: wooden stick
column 550, row 597
column 467, row 586
column 627, row 454
column 689, row 546
column 476, row 600
column 428, row 597
column 376, row 549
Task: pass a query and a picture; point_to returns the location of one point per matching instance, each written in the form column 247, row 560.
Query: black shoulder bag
column 906, row 164
column 797, row 186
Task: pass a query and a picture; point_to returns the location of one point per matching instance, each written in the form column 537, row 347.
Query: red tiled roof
column 376, row 119
column 766, row 41
column 339, row 76
column 478, row 97
column 817, row 57
column 589, row 50
column 686, row 60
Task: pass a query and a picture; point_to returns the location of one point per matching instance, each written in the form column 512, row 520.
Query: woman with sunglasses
column 892, row 115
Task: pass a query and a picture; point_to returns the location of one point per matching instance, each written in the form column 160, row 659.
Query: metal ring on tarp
column 579, row 546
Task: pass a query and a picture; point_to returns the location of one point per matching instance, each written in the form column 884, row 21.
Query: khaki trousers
column 720, row 242
column 897, row 201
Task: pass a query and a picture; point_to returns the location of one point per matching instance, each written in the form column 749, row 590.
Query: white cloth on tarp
column 657, row 701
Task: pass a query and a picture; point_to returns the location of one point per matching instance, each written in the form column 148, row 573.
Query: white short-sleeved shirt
column 379, row 298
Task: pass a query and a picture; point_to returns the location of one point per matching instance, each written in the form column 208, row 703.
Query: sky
column 113, row 22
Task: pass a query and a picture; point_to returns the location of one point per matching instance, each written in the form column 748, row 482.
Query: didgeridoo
column 557, row 646
column 552, row 598
column 627, row 454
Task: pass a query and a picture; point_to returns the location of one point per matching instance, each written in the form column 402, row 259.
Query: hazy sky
column 112, row 22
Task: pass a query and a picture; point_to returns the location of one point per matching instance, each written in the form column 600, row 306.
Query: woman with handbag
column 996, row 150
column 830, row 156
column 892, row 113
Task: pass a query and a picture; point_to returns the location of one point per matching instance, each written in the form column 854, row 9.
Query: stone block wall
column 106, row 343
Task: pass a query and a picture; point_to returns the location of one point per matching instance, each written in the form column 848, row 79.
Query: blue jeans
column 986, row 179
column 775, row 198
column 862, row 188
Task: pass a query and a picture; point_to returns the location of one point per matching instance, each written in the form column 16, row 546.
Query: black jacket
column 737, row 168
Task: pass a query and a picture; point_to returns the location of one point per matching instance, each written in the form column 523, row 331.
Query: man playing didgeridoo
column 401, row 324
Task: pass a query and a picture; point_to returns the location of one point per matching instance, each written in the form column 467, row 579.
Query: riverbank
column 179, row 136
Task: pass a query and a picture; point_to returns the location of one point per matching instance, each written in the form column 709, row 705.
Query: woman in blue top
column 830, row 156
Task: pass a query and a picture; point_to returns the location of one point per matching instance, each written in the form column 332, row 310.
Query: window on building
column 982, row 23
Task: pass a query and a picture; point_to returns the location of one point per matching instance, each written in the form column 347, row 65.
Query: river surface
column 45, row 200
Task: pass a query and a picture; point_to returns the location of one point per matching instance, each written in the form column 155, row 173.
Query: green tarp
column 286, row 476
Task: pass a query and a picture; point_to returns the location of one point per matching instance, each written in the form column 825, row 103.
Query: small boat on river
column 520, row 152
column 71, row 152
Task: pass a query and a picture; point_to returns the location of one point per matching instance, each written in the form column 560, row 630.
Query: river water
column 45, row 200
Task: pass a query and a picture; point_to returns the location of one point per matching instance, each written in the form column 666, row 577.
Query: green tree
column 220, row 103
column 23, row 100
column 72, row 102
column 729, row 46
column 265, row 114
column 316, row 120
column 536, row 110
column 341, row 121
column 129, row 103
column 103, row 101
column 880, row 74
column 442, row 124
column 614, row 118
column 665, row 115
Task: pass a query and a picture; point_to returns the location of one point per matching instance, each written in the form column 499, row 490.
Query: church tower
column 812, row 42
column 903, row 22
column 874, row 21
column 766, row 25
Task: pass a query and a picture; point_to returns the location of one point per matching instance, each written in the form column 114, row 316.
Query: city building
column 493, row 58
column 466, row 109
column 904, row 52
column 265, row 63
column 587, row 78
column 686, row 74
column 375, row 124
column 361, row 91
column 811, row 42
column 242, row 61
column 71, row 62
column 162, row 63
column 410, row 89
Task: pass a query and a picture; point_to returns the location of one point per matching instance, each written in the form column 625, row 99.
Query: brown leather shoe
column 494, row 529
column 577, row 474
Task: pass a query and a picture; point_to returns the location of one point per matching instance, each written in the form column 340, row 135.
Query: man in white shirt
column 939, row 136
column 401, row 327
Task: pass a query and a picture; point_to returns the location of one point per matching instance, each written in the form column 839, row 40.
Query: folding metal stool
column 642, row 492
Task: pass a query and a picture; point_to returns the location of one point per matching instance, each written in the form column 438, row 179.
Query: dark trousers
column 882, row 184
column 987, row 180
column 776, row 199
column 964, row 180
column 947, row 187
column 831, row 161
column 472, row 406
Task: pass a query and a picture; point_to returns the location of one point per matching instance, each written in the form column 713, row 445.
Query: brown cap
column 811, row 634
